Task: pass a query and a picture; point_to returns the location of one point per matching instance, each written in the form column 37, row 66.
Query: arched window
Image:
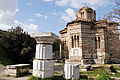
column 83, row 14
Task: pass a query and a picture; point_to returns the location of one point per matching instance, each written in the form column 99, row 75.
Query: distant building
column 86, row 40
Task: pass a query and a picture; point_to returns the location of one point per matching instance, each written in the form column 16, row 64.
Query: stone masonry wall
column 113, row 43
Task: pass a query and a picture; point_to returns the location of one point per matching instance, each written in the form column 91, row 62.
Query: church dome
column 86, row 13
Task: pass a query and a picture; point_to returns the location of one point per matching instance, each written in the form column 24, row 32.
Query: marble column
column 43, row 65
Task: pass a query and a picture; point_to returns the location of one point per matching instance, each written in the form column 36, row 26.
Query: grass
column 5, row 61
column 93, row 75
column 57, row 73
column 53, row 78
column 101, row 73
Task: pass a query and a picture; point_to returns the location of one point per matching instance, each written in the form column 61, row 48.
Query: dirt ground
column 58, row 67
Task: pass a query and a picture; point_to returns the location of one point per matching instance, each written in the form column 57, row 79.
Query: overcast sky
column 46, row 15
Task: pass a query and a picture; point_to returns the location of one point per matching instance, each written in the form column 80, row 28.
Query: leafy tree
column 56, row 45
column 17, row 46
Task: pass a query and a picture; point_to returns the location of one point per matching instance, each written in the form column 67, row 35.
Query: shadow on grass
column 23, row 74
column 83, row 77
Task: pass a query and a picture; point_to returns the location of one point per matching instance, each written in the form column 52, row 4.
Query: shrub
column 113, row 69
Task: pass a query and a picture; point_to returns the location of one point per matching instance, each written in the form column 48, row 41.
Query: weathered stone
column 14, row 70
column 84, row 70
column 43, row 51
column 43, row 74
column 42, row 65
column 44, row 37
column 71, row 71
column 85, row 38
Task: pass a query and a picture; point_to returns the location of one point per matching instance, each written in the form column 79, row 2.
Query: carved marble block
column 43, row 65
column 43, row 51
column 71, row 71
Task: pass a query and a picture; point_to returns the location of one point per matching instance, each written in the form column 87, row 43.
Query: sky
column 46, row 15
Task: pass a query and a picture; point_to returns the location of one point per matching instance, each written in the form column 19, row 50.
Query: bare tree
column 115, row 14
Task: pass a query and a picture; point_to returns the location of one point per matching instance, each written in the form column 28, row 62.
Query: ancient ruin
column 43, row 65
column 87, row 40
column 16, row 70
column 71, row 71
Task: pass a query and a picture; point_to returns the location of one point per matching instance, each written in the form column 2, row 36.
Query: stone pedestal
column 43, row 65
column 71, row 71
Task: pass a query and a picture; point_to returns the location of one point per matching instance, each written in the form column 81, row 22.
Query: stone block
column 44, row 37
column 13, row 70
column 42, row 65
column 84, row 70
column 43, row 74
column 43, row 51
column 71, row 71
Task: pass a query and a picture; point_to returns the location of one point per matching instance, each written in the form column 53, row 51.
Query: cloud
column 38, row 15
column 7, row 16
column 54, row 12
column 29, row 4
column 80, row 3
column 47, row 0
column 27, row 27
column 45, row 17
column 31, row 20
column 68, row 15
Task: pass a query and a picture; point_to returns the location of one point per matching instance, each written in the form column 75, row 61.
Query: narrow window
column 78, row 41
column 95, row 42
column 75, row 41
column 63, row 45
column 83, row 14
column 98, row 42
column 72, row 42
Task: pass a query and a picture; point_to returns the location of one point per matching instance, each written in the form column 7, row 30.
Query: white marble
column 44, row 37
column 71, row 71
column 43, row 74
column 42, row 65
column 84, row 70
column 43, row 51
